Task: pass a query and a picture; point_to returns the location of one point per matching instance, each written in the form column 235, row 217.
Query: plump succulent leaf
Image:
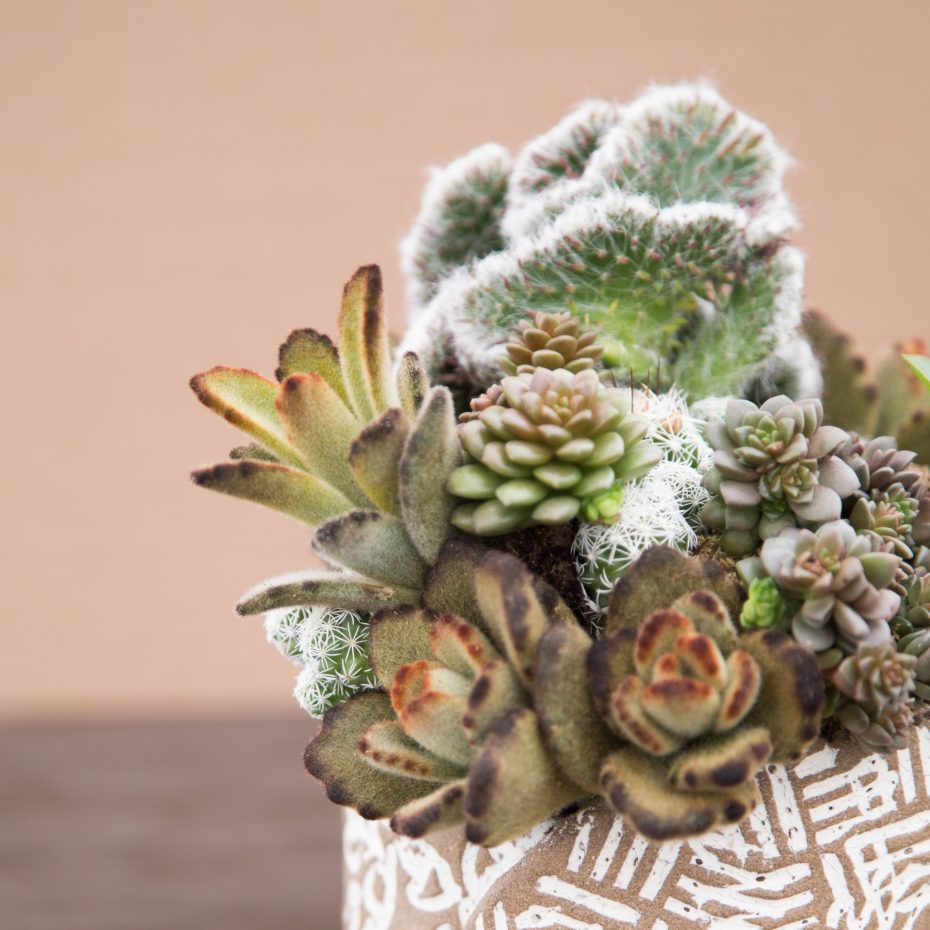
column 374, row 459
column 397, row 637
column 288, row 490
column 609, row 661
column 372, row 544
column 495, row 690
column 431, row 453
column 659, row 577
column 443, row 808
column 385, row 746
column 330, row 589
column 306, row 351
column 637, row 786
column 513, row 783
column 722, row 762
column 333, row 758
column 460, row 646
column 247, row 400
column 573, row 730
column 412, row 384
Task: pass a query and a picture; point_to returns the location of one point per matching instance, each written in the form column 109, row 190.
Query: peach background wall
column 184, row 181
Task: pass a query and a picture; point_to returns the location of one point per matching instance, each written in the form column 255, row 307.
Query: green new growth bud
column 604, row 507
column 764, row 607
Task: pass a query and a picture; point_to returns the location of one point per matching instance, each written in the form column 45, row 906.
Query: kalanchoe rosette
column 554, row 441
column 835, row 584
column 501, row 720
column 774, row 466
column 550, row 340
column 876, row 685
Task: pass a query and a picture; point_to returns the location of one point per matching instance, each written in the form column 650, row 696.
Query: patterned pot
column 841, row 841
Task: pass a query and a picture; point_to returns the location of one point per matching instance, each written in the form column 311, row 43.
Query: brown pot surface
column 840, row 841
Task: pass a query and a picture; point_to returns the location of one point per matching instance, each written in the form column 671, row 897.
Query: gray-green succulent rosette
column 615, row 518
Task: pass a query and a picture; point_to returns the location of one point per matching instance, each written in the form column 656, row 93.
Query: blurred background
column 182, row 184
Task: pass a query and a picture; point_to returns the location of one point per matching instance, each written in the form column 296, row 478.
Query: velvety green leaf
column 334, row 759
column 571, row 726
column 637, row 786
column 706, row 611
column 495, row 691
column 920, row 365
column 363, row 345
column 306, row 351
column 609, row 661
column 247, row 400
column 437, row 811
column 330, row 589
column 385, row 746
column 513, row 783
column 460, row 646
column 659, row 577
column 449, row 586
column 412, row 384
column 791, row 698
column 431, row 453
column 321, row 428
column 399, row 636
column 723, row 762
column 279, row 487
column 434, row 720
column 374, row 459
column 373, row 544
column 251, row 451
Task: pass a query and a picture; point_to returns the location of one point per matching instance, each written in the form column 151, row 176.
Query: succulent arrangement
column 614, row 519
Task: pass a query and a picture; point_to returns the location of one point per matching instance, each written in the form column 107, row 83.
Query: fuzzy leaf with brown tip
column 251, row 451
column 723, row 762
column 513, row 783
column 374, row 459
column 430, row 455
column 398, row 637
column 333, row 758
column 247, row 400
column 460, row 646
column 321, row 428
column 288, row 490
column 659, row 577
column 609, row 661
column 385, row 746
column 306, row 351
column 412, row 383
column 449, row 586
column 364, row 353
column 791, row 696
column 709, row 616
column 445, row 807
column 637, row 787
column 571, row 726
column 373, row 544
column 494, row 691
column 330, row 589
column 434, row 720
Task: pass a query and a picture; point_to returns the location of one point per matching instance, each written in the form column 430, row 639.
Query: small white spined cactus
column 332, row 646
column 661, row 509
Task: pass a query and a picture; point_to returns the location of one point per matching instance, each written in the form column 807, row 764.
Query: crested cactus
column 774, row 467
column 663, row 222
column 554, row 442
column 358, row 453
column 501, row 720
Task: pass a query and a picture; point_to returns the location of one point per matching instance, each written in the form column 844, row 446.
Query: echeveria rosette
column 879, row 463
column 837, row 585
column 917, row 644
column 774, row 467
column 502, row 720
column 914, row 610
column 554, row 442
column 551, row 340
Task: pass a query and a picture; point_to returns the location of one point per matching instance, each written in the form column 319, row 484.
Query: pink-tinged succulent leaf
column 306, row 351
column 494, row 691
column 460, row 646
column 247, row 400
column 571, row 727
column 659, row 577
column 791, row 697
column 741, row 691
column 364, row 353
column 288, row 490
column 684, row 707
column 321, row 428
column 385, row 746
column 709, row 616
column 330, row 589
column 629, row 720
column 372, row 544
column 412, row 384
column 658, row 635
column 333, row 758
column 449, row 585
column 434, row 720
column 722, row 762
column 609, row 661
column 509, row 598
column 440, row 810
column 637, row 787
column 920, row 365
column 430, row 455
column 374, row 459
column 513, row 783
column 397, row 637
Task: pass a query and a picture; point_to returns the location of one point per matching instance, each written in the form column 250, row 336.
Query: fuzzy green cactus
column 358, row 453
column 663, row 222
column 502, row 720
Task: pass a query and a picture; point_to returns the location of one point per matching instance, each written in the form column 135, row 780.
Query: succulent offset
column 774, row 467
column 550, row 340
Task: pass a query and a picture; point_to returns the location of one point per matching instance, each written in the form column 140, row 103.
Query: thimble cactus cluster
column 646, row 559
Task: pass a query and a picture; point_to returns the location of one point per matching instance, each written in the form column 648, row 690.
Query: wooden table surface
column 165, row 826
